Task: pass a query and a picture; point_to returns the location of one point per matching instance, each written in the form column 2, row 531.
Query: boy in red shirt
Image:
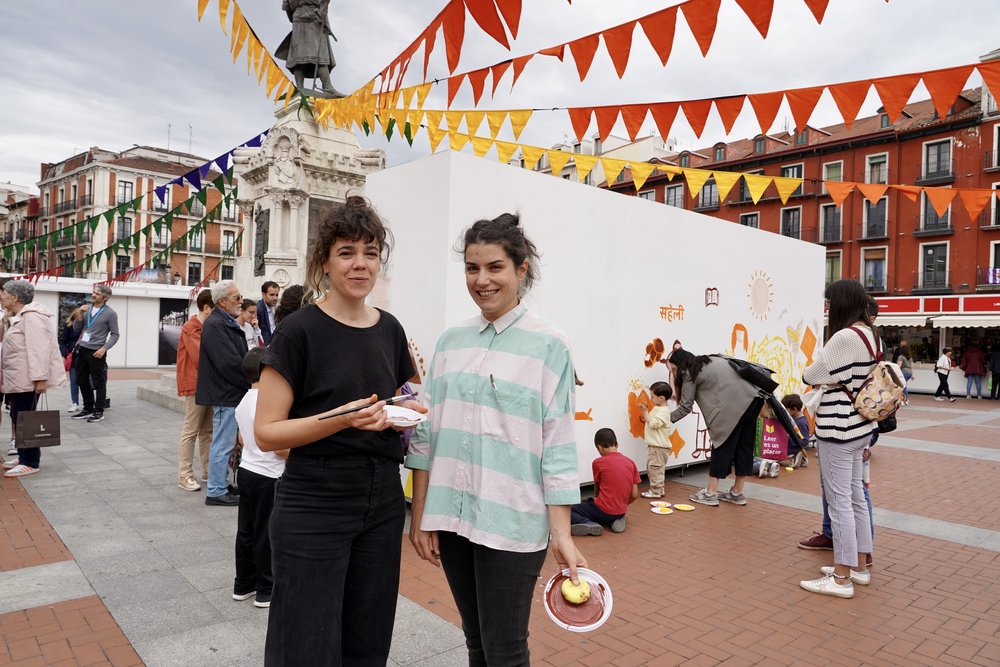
column 616, row 486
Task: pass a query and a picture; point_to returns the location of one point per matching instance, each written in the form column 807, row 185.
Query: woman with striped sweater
column 842, row 435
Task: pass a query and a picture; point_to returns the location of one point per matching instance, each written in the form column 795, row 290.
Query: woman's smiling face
column 492, row 279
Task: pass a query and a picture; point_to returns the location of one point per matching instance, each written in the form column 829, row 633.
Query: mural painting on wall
column 173, row 315
column 418, row 363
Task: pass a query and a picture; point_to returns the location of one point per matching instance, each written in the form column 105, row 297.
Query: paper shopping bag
column 773, row 440
column 37, row 428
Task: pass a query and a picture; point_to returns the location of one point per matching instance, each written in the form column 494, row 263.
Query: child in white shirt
column 659, row 428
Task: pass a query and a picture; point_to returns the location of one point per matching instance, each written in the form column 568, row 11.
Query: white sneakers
column 859, row 578
column 73, row 408
column 828, row 586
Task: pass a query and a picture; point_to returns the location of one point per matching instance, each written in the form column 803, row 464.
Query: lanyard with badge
column 91, row 316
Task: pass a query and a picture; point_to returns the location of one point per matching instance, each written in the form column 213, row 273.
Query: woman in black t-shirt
column 338, row 515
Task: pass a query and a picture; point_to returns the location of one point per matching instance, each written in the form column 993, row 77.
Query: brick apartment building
column 91, row 183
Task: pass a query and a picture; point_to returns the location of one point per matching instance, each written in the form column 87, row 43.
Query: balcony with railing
column 122, row 234
column 932, row 225
column 810, row 234
column 987, row 279
column 64, row 206
column 43, row 212
column 86, row 200
column 830, row 232
column 8, row 237
column 875, row 174
column 84, row 237
column 876, row 284
column 932, row 282
column 707, row 202
column 873, row 230
column 159, row 241
column 65, row 242
column 197, row 209
column 123, row 198
column 19, row 234
column 935, row 172
column 989, row 219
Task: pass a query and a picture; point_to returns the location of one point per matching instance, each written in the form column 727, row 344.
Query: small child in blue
column 796, row 457
column 258, row 473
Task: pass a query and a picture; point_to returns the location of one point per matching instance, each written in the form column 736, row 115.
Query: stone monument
column 299, row 171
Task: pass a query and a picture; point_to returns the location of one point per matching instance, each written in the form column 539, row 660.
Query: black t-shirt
column 328, row 364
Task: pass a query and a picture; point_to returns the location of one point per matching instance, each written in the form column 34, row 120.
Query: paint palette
column 659, row 503
column 684, row 508
column 661, row 510
column 400, row 416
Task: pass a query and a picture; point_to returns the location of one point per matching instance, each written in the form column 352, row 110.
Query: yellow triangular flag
column 283, row 89
column 422, row 92
column 518, row 119
column 241, row 33
column 399, row 115
column 408, row 96
column 473, row 119
column 454, row 120
column 414, row 118
column 202, row 4
column 223, row 10
column 584, row 164
column 481, row 145
column 612, row 168
column 434, row 136
column 434, row 119
column 505, row 150
column 724, row 181
column 786, row 186
column 457, row 140
column 273, row 75
column 254, row 51
column 696, row 179
column 669, row 170
column 237, row 24
column 756, row 185
column 495, row 120
column 558, row 160
column 640, row 172
column 531, row 155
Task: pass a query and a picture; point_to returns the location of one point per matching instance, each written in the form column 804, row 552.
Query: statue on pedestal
column 307, row 50
column 262, row 223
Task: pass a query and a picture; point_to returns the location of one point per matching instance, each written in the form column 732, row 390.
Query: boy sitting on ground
column 616, row 486
column 796, row 457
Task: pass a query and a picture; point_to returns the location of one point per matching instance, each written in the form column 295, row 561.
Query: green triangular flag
column 408, row 133
column 31, row 244
column 220, row 183
column 135, row 203
column 202, row 196
column 388, row 129
column 94, row 222
column 109, row 215
column 8, row 252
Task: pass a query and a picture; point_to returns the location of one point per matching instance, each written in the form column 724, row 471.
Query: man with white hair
column 222, row 384
column 98, row 325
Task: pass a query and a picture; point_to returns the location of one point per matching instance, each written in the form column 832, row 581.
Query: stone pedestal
column 299, row 171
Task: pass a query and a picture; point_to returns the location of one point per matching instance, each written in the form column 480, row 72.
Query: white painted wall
column 609, row 262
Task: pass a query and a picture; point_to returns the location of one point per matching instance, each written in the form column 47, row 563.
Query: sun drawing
column 761, row 295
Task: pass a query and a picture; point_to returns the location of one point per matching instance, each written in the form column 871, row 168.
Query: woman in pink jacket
column 30, row 363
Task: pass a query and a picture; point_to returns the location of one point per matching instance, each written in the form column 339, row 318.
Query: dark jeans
column 336, row 535
column 942, row 385
column 589, row 512
column 493, row 591
column 90, row 369
column 737, row 450
column 253, row 546
column 995, row 387
column 24, row 402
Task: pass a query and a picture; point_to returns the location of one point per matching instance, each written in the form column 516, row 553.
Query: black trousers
column 90, row 369
column 737, row 450
column 25, row 402
column 942, row 385
column 253, row 546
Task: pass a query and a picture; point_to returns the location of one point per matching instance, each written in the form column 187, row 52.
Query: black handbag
column 757, row 375
column 887, row 425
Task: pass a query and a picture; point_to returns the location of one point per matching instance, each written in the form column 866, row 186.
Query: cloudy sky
column 113, row 73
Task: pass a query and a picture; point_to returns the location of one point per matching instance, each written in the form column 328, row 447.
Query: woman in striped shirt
column 495, row 467
column 842, row 435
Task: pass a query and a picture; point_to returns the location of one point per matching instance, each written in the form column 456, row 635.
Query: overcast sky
column 113, row 73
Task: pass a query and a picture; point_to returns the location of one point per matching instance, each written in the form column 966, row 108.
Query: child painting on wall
column 657, row 434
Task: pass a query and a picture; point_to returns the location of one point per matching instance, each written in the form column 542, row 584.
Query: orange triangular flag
column 579, row 117
column 765, row 106
column 454, row 83
column 555, row 51
column 991, row 75
column 759, row 12
column 511, row 12
column 473, row 119
column 531, row 155
column 911, row 192
column 429, row 36
column 519, row 64
column 640, row 172
column 872, row 191
column 729, row 109
column 802, row 102
column 481, row 145
column 453, row 120
column 756, row 185
column 849, row 98
column 724, row 181
column 634, row 115
column 606, row 119
column 940, row 199
column 696, row 112
column 612, row 168
column 818, row 8
column 518, row 119
column 664, row 114
column 495, row 120
column 838, row 190
column 505, row 150
column 583, row 51
column 618, row 42
column 457, row 141
column 895, row 91
column 236, row 27
column 558, row 160
column 484, row 13
column 223, row 10
column 702, row 17
column 202, row 4
column 975, row 201
column 453, row 21
column 786, row 186
column 695, row 179
column 498, row 71
column 944, row 85
column 478, row 81
column 584, row 165
column 659, row 29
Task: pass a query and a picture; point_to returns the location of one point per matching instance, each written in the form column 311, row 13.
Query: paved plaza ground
column 105, row 561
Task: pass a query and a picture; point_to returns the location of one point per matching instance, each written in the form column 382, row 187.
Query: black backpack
column 757, row 375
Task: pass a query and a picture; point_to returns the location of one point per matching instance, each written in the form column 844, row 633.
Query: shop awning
column 891, row 320
column 951, row 321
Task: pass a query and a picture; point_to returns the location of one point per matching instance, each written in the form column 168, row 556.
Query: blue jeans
column 493, row 591
column 974, row 380
column 223, row 443
column 74, row 390
column 906, row 386
column 827, row 528
column 589, row 512
column 336, row 536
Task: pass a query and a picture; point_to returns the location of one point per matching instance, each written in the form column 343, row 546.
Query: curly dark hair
column 354, row 220
column 506, row 232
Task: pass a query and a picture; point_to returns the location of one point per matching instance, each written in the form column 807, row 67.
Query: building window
column 685, row 160
column 830, row 216
column 832, row 268
column 793, row 171
column 800, row 138
column 123, row 229
column 161, row 239
column 791, row 222
column 934, row 266
column 875, row 224
column 834, row 172
column 196, row 241
column 226, row 272
column 576, row 147
column 194, row 273
column 873, row 269
column 121, row 264
column 937, row 160
column 720, row 153
column 648, row 194
column 620, row 178
column 197, row 209
column 745, row 189
column 709, row 195
column 124, row 192
column 878, row 171
column 758, row 145
column 162, row 204
column 598, row 147
column 229, row 240
column 933, row 221
column 674, row 196
column 229, row 208
column 750, row 220
column 884, row 121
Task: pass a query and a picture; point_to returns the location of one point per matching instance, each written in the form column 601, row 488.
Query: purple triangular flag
column 193, row 178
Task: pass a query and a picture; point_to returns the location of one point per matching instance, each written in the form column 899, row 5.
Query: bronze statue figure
column 307, row 50
column 262, row 224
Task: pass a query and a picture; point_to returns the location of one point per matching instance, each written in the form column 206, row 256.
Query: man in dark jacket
column 222, row 384
column 265, row 309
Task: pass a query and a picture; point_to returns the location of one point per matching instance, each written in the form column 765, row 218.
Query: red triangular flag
column 519, row 64
column 696, row 112
column 580, row 118
column 498, row 71
column 478, row 81
column 606, row 119
column 429, row 37
column 484, row 13
column 991, row 75
column 702, row 17
column 729, row 109
column 664, row 114
column 511, row 12
column 802, row 101
column 849, row 98
column 759, row 12
column 453, row 20
column 454, row 83
column 557, row 51
column 634, row 115
column 895, row 92
column 659, row 29
column 618, row 42
column 583, row 51
column 818, row 8
column 765, row 106
column 944, row 85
